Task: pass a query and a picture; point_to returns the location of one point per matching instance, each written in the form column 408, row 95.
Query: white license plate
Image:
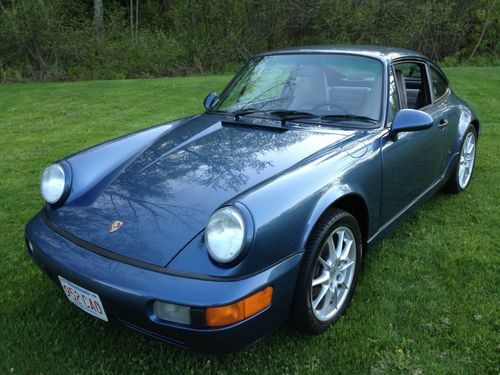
column 84, row 299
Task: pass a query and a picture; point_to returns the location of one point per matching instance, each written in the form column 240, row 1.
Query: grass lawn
column 427, row 300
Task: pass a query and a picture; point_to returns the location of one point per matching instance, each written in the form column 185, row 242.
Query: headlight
column 225, row 234
column 53, row 183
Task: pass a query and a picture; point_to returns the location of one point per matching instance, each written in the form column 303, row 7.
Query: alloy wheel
column 333, row 274
column 467, row 158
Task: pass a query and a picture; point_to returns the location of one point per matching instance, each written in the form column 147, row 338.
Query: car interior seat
column 372, row 103
column 400, row 79
column 311, row 92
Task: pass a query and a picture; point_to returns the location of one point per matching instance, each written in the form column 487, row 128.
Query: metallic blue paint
column 411, row 120
column 128, row 292
column 166, row 181
column 169, row 189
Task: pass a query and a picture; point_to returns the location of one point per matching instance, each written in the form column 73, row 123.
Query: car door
column 447, row 115
column 412, row 161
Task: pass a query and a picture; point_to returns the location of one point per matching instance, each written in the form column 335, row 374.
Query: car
column 211, row 231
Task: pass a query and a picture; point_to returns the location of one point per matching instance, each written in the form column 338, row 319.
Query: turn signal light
column 229, row 314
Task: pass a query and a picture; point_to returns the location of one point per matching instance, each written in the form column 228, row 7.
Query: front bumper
column 128, row 292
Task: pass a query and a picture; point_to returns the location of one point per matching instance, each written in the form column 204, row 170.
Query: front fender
column 329, row 199
column 286, row 208
column 93, row 169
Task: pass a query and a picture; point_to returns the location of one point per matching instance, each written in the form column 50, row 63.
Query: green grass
column 427, row 301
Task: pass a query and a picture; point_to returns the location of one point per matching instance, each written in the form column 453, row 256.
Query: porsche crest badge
column 115, row 225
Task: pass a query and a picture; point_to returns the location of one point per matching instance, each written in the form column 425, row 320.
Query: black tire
column 302, row 315
column 452, row 186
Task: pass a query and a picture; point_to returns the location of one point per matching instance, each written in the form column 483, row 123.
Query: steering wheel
column 325, row 104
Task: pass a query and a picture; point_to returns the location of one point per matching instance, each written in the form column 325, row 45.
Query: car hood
column 165, row 193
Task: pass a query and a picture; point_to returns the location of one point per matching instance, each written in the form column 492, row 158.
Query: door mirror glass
column 210, row 100
column 410, row 120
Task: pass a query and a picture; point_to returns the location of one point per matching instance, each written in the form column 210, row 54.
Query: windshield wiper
column 288, row 114
column 244, row 111
column 348, row 116
column 282, row 114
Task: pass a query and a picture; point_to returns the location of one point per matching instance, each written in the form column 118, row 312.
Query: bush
column 484, row 60
column 449, row 61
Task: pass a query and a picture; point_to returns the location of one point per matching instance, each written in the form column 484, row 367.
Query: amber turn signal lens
column 229, row 314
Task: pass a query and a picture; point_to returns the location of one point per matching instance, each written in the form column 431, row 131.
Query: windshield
column 325, row 85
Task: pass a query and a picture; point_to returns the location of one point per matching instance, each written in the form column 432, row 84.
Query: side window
column 439, row 85
column 412, row 85
column 393, row 98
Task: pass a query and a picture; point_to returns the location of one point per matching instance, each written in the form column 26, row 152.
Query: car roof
column 386, row 53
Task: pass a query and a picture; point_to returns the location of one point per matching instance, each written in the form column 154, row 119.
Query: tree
column 99, row 20
column 134, row 18
column 486, row 23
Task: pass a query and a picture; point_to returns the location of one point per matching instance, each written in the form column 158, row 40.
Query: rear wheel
column 329, row 272
column 462, row 173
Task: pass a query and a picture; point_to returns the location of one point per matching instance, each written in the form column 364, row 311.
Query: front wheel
column 462, row 173
column 329, row 272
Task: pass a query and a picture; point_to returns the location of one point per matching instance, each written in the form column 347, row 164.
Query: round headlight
column 53, row 183
column 225, row 234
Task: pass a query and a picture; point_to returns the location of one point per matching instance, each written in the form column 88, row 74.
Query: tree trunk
column 132, row 19
column 98, row 19
column 136, row 17
column 486, row 23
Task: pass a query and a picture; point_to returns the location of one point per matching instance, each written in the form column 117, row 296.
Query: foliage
column 61, row 40
column 67, row 47
column 428, row 296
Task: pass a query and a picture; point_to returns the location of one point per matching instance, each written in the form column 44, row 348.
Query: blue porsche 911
column 211, row 231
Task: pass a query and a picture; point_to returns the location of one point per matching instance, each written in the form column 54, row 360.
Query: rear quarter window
column 439, row 84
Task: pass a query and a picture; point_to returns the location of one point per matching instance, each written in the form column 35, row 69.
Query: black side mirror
column 407, row 120
column 210, row 100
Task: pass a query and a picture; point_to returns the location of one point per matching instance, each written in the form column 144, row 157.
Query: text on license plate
column 83, row 298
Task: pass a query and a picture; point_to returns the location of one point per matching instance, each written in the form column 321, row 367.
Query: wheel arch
column 351, row 202
column 475, row 122
column 467, row 118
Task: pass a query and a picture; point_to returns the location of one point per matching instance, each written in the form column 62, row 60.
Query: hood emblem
column 115, row 225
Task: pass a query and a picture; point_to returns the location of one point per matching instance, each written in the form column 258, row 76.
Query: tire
column 457, row 183
column 306, row 317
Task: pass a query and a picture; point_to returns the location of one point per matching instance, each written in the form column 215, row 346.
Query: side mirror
column 209, row 100
column 407, row 120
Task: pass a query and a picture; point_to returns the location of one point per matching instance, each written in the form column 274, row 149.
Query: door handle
column 443, row 122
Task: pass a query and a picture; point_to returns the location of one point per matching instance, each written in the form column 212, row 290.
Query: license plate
column 84, row 299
